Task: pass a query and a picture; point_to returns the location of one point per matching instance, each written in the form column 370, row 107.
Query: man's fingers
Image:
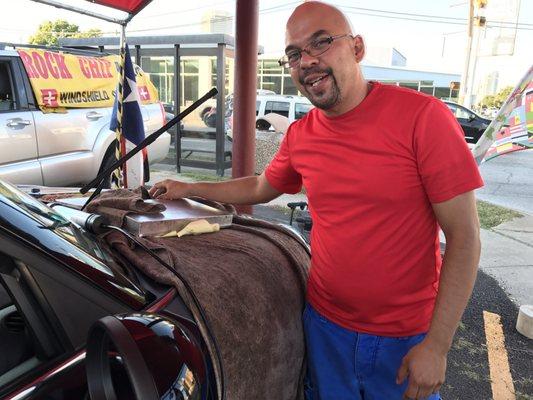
column 412, row 392
column 154, row 189
column 424, row 392
column 402, row 373
column 157, row 190
column 436, row 389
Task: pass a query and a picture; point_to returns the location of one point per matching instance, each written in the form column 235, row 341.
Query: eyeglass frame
column 284, row 61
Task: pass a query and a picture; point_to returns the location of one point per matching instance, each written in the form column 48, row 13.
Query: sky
column 438, row 45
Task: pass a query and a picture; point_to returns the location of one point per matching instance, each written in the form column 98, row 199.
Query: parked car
column 58, row 149
column 288, row 106
column 208, row 113
column 473, row 125
column 56, row 280
column 77, row 313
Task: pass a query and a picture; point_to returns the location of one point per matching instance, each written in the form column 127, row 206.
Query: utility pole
column 466, row 69
column 476, row 21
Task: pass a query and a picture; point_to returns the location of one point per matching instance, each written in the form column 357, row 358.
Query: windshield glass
column 99, row 258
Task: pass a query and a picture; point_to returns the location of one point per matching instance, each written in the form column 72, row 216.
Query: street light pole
column 475, row 23
column 464, row 76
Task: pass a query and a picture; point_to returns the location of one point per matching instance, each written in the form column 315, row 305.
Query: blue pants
column 346, row 365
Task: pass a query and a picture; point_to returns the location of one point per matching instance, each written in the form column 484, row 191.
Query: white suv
column 292, row 107
column 288, row 106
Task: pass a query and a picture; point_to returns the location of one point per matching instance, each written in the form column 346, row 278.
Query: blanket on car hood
column 250, row 281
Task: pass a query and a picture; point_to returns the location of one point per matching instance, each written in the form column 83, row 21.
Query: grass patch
column 283, row 209
column 491, row 215
column 198, row 177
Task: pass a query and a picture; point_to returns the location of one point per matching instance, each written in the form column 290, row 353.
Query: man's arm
column 247, row 190
column 425, row 364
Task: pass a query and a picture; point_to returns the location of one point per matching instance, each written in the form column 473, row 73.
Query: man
column 383, row 167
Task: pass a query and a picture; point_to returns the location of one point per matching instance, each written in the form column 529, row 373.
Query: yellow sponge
column 195, row 228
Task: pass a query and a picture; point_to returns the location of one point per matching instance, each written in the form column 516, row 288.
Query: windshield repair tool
column 93, row 223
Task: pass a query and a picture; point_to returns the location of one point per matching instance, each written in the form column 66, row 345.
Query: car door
column 45, row 313
column 35, row 362
column 66, row 141
column 465, row 119
column 18, row 142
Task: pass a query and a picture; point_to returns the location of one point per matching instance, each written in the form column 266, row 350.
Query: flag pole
column 118, row 176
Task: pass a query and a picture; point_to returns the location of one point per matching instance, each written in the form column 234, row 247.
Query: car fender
column 278, row 122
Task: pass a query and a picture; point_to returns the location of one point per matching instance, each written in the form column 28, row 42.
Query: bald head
column 316, row 12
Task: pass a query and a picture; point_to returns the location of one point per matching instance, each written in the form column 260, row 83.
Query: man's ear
column 359, row 45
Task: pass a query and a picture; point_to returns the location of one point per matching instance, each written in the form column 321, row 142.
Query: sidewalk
column 507, row 255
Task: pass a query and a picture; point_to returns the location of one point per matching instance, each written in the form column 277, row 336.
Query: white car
column 58, row 149
column 290, row 107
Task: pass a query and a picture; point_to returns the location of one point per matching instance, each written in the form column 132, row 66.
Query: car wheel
column 108, row 160
column 211, row 120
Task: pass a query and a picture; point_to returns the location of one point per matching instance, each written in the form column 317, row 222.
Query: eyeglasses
column 316, row 48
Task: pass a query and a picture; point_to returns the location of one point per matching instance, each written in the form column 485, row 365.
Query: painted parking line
column 500, row 373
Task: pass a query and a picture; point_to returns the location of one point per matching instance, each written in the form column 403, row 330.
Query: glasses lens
column 292, row 59
column 320, row 46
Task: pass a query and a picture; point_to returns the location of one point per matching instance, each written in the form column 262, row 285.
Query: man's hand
column 247, row 190
column 169, row 189
column 425, row 364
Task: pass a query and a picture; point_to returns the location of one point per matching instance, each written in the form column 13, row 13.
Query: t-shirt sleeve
column 445, row 163
column 280, row 172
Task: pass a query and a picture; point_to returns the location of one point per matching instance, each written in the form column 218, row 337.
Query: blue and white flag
column 127, row 121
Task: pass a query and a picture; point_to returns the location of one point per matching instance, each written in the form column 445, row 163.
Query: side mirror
column 145, row 357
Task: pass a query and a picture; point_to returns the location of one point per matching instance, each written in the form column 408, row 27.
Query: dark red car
column 56, row 282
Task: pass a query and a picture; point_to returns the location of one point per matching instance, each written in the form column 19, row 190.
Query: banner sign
column 512, row 129
column 63, row 80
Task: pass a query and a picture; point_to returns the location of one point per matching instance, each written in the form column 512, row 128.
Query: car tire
column 107, row 161
column 210, row 120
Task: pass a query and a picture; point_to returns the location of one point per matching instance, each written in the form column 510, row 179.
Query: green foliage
column 496, row 100
column 49, row 32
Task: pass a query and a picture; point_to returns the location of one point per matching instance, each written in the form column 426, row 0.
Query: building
column 439, row 84
column 217, row 21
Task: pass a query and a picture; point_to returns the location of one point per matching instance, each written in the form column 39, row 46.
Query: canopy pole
column 118, row 178
column 243, row 157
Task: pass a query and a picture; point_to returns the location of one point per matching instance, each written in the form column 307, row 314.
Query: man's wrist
column 189, row 190
column 438, row 343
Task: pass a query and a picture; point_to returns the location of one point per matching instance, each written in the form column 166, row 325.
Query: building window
column 161, row 73
column 410, row 85
column 288, row 86
column 272, row 83
column 271, row 67
column 427, row 90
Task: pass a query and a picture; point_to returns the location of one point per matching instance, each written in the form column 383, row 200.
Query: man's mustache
column 314, row 70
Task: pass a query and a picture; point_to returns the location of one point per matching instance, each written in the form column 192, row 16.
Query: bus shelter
column 183, row 68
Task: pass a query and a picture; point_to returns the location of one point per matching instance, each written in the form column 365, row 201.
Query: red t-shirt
column 371, row 175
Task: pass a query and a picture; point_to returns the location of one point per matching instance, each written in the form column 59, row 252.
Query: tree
column 496, row 101
column 49, row 32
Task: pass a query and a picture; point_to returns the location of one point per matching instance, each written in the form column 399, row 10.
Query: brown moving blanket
column 250, row 281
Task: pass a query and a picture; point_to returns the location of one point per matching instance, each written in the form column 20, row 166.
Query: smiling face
column 332, row 81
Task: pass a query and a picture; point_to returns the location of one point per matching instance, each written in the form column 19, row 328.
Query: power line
column 424, row 17
column 189, row 9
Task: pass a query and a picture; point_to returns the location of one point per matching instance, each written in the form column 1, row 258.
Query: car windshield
column 57, row 223
column 37, row 210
